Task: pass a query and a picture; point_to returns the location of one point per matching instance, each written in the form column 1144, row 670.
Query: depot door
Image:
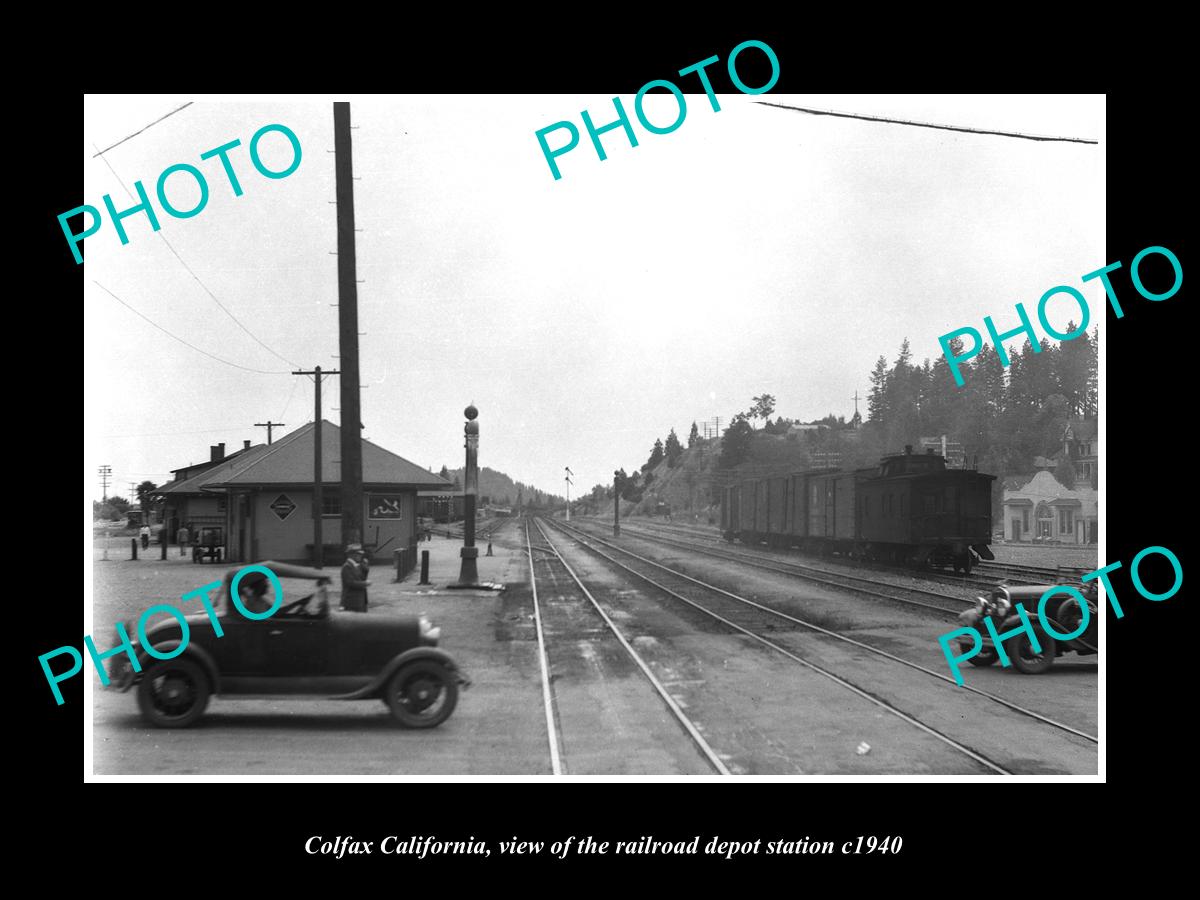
column 1016, row 529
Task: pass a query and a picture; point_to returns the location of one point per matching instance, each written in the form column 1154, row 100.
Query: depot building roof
column 289, row 462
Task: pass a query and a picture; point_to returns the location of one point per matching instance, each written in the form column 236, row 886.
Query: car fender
column 1013, row 622
column 376, row 684
column 193, row 652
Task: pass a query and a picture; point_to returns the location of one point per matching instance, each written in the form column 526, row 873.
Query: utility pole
column 270, row 426
column 352, row 489
column 567, row 479
column 617, row 503
column 318, row 498
column 133, row 493
column 105, row 473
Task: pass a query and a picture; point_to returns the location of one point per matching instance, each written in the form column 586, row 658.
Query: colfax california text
column 414, row 461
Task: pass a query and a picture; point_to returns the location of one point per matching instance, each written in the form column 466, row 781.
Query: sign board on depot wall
column 385, row 506
column 283, row 506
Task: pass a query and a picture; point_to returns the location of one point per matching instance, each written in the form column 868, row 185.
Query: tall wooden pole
column 352, row 488
column 617, row 503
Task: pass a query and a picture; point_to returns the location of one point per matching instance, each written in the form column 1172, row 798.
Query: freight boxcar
column 911, row 509
column 731, row 509
column 831, row 525
column 748, row 505
column 797, row 517
column 770, row 512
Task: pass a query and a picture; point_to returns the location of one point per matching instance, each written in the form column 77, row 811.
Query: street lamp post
column 469, row 573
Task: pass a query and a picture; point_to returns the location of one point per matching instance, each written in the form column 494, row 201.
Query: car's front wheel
column 984, row 657
column 173, row 694
column 1027, row 660
column 422, row 694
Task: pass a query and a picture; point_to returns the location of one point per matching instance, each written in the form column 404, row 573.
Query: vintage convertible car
column 303, row 648
column 1062, row 611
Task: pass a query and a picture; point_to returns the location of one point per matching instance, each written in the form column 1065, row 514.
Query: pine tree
column 693, row 436
column 656, row 456
column 1042, row 366
column 877, row 399
column 1073, row 366
column 674, row 449
column 901, row 393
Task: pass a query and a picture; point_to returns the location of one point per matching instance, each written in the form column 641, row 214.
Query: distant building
column 441, row 506
column 183, row 500
column 1039, row 508
column 1081, row 445
column 262, row 497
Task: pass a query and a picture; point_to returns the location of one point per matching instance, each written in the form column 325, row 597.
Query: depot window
column 331, row 504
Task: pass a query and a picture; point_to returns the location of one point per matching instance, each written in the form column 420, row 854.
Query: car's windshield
column 295, row 583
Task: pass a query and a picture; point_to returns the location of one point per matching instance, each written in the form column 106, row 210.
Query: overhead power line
column 181, row 340
column 204, row 286
column 963, row 128
column 140, row 130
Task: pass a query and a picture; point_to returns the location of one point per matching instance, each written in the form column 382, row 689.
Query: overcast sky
column 753, row 249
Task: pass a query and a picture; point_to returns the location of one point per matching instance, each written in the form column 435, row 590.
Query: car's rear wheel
column 983, row 658
column 1029, row 661
column 173, row 694
column 422, row 694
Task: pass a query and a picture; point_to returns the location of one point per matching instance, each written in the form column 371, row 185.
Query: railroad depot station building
column 1039, row 507
column 262, row 496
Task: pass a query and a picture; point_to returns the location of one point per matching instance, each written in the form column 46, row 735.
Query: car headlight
column 429, row 634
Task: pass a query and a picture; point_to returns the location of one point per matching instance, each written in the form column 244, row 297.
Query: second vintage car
column 301, row 648
column 1062, row 611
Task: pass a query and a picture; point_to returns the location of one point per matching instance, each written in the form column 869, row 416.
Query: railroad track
column 989, row 574
column 484, row 529
column 741, row 607
column 882, row 590
column 552, row 713
column 1031, row 574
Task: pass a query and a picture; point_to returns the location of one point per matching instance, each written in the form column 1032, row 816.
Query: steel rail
column 930, row 575
column 547, row 699
column 837, row 679
column 833, row 634
column 800, row 570
column 687, row 724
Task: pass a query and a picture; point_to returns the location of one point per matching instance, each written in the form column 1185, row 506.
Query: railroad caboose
column 919, row 512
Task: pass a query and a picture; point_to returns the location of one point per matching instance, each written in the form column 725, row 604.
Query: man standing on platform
column 354, row 579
